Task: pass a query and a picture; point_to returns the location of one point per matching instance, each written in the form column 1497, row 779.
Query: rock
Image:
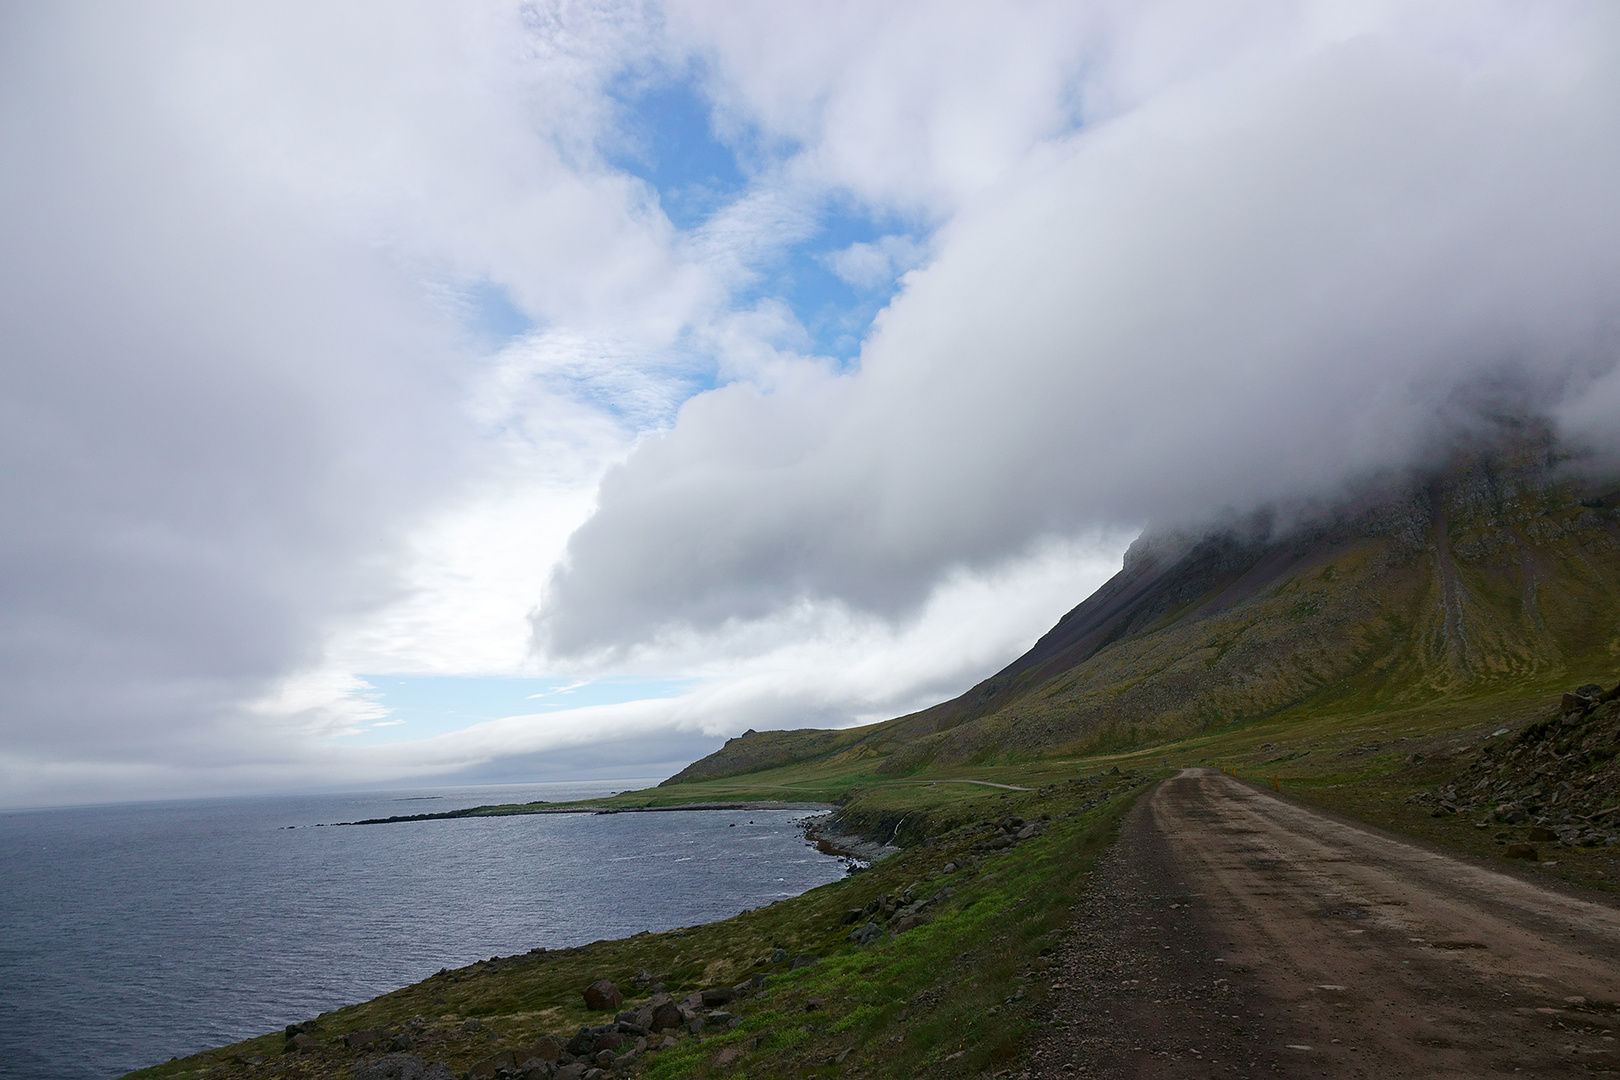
column 1540, row 834
column 302, row 1044
column 605, row 1059
column 596, row 1074
column 666, row 1015
column 547, row 1048
column 727, row 1057
column 1521, row 851
column 1031, row 830
column 482, row 1070
column 1001, row 842
column 813, row 1004
column 575, row 1071
column 718, row 996
column 949, row 868
column 865, row 935
column 669, row 1043
column 696, row 1025
column 364, row 1038
column 803, row 960
column 581, row 1044
column 778, row 956
column 394, row 1067
column 438, row 1071
column 626, row 1059
column 602, row 995
column 692, row 1001
column 850, row 916
column 910, row 922
column 608, row 1040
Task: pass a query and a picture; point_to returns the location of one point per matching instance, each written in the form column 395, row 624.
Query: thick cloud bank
column 1255, row 280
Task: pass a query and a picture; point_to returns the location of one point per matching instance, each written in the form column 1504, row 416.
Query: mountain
column 1496, row 573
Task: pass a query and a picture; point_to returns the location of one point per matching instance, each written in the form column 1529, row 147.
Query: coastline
column 527, row 809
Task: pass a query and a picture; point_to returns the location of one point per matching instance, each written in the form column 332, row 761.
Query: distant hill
column 1499, row 573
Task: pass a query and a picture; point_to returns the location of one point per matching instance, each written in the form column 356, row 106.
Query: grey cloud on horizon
column 1260, row 284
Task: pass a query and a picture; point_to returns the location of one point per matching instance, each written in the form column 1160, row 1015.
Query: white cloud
column 874, row 265
column 1262, row 281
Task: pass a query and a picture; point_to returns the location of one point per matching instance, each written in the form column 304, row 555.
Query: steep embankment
column 1498, row 575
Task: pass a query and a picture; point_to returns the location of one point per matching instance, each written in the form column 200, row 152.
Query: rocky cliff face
column 1499, row 572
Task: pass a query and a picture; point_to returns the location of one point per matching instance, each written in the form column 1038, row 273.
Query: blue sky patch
column 422, row 706
column 668, row 140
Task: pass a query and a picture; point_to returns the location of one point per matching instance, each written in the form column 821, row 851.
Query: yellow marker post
column 1276, row 783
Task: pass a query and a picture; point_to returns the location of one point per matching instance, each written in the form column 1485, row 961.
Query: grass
column 950, row 997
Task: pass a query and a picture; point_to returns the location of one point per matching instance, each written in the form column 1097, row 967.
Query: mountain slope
column 1497, row 574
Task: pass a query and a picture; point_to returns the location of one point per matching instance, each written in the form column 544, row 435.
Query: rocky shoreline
column 825, row 833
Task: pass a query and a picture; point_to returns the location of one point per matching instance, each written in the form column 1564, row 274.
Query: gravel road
column 1231, row 933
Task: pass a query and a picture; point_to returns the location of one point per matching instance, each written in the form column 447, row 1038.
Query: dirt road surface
column 1231, row 933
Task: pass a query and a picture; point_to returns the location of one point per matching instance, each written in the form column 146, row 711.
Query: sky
column 413, row 392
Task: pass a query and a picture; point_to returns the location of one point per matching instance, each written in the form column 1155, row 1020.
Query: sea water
column 131, row 934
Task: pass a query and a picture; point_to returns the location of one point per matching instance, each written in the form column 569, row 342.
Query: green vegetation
column 949, row 996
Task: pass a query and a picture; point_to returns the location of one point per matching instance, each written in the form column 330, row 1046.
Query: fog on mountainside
column 1494, row 572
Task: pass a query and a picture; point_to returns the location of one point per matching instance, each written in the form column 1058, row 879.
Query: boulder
column 302, row 1044
column 581, row 1044
column 364, row 1038
column 803, row 960
column 438, row 1071
column 865, row 935
column 851, row 915
column 727, row 1057
column 719, row 995
column 910, row 922
column 949, row 868
column 574, row 1071
column 605, row 1059
column 602, row 996
column 665, row 1015
column 393, row 1067
column 1521, row 851
column 609, row 1040
column 1032, row 829
column 547, row 1048
column 1540, row 834
column 778, row 956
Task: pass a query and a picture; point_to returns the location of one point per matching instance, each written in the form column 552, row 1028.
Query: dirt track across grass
column 1231, row 933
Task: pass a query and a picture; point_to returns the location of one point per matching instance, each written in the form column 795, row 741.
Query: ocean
column 131, row 934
